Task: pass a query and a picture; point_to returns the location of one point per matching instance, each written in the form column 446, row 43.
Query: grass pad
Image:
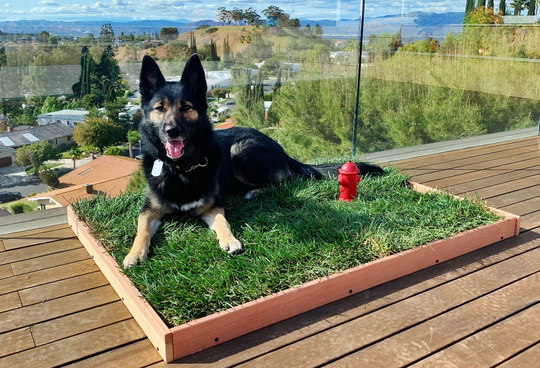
column 292, row 234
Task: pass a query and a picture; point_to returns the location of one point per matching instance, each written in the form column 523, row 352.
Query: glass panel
column 288, row 69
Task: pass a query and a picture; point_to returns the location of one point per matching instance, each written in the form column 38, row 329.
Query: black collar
column 189, row 168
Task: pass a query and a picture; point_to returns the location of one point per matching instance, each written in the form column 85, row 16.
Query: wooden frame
column 179, row 341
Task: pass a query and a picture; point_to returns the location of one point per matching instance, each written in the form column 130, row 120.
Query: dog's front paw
column 231, row 246
column 133, row 258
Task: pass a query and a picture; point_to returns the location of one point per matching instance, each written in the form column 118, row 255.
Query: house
column 214, row 79
column 108, row 175
column 73, row 117
column 55, row 134
column 67, row 117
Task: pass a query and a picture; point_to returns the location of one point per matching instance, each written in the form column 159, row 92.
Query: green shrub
column 114, row 151
column 136, row 182
column 17, row 208
column 49, row 177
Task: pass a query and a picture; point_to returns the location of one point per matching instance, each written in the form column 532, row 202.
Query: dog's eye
column 185, row 108
column 159, row 108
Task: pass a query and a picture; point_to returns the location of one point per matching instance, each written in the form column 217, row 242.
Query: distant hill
column 82, row 28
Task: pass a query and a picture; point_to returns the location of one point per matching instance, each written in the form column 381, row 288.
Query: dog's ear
column 193, row 76
column 150, row 78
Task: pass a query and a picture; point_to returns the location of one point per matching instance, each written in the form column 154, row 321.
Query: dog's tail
column 303, row 170
column 332, row 169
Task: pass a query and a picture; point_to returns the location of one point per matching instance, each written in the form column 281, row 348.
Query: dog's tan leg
column 147, row 226
column 215, row 218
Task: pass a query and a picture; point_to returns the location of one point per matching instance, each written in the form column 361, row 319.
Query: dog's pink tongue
column 174, row 148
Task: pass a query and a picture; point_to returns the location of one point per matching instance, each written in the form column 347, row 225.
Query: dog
column 189, row 167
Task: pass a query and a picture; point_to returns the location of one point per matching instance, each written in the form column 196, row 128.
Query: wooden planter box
column 176, row 342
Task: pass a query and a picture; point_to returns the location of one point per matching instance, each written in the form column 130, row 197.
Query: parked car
column 9, row 196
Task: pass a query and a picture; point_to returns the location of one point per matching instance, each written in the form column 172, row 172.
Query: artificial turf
column 291, row 234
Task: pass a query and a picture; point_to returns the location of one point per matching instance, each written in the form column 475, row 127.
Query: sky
column 125, row 10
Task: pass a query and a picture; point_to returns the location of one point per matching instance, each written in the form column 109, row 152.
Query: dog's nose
column 173, row 130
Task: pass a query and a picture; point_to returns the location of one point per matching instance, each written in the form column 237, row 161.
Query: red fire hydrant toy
column 348, row 179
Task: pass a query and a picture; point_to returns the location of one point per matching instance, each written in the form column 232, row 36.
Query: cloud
column 7, row 6
column 48, row 3
column 118, row 3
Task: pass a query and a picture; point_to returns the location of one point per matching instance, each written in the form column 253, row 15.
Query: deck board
column 57, row 289
column 76, row 347
column 21, row 254
column 479, row 309
column 492, row 345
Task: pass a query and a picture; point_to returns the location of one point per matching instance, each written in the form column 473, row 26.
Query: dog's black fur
column 200, row 165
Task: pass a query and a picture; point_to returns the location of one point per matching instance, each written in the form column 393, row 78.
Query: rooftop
column 34, row 134
column 106, row 174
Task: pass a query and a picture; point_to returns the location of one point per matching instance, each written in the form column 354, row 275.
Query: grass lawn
column 28, row 205
column 31, row 170
column 291, row 234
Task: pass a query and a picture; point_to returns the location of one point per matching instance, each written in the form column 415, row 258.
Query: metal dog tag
column 156, row 169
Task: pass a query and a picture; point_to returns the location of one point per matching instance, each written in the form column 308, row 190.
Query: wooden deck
column 479, row 310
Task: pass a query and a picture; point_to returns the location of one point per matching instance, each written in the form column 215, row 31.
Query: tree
column 224, row 15
column 396, row 43
column 502, row 7
column 491, row 4
column 49, row 178
column 36, row 154
column 43, row 37
column 106, row 34
column 282, row 18
column 482, row 16
column 168, row 33
column 51, row 104
column 87, row 64
column 273, row 11
column 278, row 84
column 518, row 6
column 116, row 111
column 218, row 93
column 317, row 30
column 53, row 40
column 530, row 5
column 237, row 15
column 114, row 151
column 250, row 16
column 192, row 44
column 76, row 154
column 213, row 51
column 307, row 30
column 86, row 40
column 96, row 131
column 226, row 52
column 132, row 137
column 108, row 71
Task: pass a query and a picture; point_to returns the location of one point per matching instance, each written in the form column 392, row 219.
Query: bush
column 17, row 208
column 136, row 182
column 211, row 30
column 21, row 208
column 49, row 177
column 114, row 151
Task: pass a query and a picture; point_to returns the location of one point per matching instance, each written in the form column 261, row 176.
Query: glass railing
column 427, row 75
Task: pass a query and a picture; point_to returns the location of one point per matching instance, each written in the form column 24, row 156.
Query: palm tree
column 518, row 6
column 76, row 154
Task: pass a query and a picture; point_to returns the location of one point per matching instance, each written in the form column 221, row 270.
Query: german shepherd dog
column 189, row 167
